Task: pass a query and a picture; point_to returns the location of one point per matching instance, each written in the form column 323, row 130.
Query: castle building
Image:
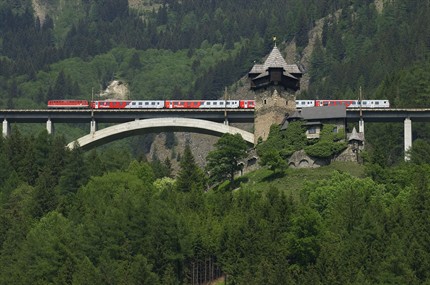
column 275, row 83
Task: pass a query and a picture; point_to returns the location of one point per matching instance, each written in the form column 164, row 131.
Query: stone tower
column 274, row 83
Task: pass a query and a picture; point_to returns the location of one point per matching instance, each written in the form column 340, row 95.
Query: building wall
column 271, row 106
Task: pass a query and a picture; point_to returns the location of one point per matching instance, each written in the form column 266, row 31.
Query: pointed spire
column 355, row 136
column 275, row 60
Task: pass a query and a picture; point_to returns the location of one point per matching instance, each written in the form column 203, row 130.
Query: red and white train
column 153, row 104
column 205, row 104
column 374, row 104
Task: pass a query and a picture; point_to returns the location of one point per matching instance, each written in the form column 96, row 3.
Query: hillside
column 75, row 219
column 198, row 50
column 143, row 211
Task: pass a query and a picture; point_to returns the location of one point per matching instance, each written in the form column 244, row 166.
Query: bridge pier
column 407, row 137
column 93, row 127
column 6, row 128
column 50, row 127
column 361, row 126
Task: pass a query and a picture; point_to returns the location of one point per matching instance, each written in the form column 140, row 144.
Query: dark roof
column 276, row 60
column 296, row 115
column 314, row 115
column 323, row 113
column 355, row 136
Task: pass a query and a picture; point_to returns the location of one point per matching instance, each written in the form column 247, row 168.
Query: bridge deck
column 234, row 115
column 123, row 115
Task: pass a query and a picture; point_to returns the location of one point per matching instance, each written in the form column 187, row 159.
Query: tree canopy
column 223, row 162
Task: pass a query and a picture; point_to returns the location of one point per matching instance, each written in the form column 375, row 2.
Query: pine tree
column 75, row 172
column 190, row 176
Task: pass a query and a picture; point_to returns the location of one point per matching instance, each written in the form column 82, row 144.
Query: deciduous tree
column 223, row 162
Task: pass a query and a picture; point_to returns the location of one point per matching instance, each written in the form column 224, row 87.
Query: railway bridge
column 215, row 122
column 128, row 122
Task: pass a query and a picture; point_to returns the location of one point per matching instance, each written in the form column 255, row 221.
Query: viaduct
column 273, row 84
column 215, row 122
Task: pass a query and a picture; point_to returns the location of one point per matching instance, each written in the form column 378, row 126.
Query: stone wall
column 300, row 159
column 271, row 106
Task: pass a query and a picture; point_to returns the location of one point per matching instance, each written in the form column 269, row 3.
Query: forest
column 110, row 216
column 67, row 217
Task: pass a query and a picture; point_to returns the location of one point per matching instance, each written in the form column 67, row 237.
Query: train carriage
column 72, row 104
column 305, row 103
column 374, row 104
column 128, row 104
column 202, row 104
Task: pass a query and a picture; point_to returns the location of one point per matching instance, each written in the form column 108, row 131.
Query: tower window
column 265, row 101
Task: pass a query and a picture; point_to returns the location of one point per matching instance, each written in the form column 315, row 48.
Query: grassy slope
column 294, row 179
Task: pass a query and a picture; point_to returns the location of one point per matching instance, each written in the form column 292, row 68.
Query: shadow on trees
column 273, row 176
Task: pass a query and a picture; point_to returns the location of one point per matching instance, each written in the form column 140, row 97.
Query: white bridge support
column 361, row 126
column 157, row 125
column 6, row 128
column 93, row 127
column 407, row 137
column 50, row 127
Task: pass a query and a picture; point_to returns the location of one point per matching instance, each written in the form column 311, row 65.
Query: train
column 152, row 104
column 350, row 104
column 204, row 104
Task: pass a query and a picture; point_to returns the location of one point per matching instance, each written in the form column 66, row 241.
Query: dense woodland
column 108, row 216
column 70, row 218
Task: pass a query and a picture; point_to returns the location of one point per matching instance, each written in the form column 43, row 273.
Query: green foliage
column 275, row 151
column 190, row 177
column 420, row 152
column 121, row 228
column 142, row 170
column 313, row 226
column 269, row 151
column 330, row 142
column 223, row 162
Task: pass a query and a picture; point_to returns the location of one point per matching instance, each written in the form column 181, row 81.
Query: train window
column 152, row 103
column 133, row 103
column 376, row 103
column 140, row 103
column 146, row 103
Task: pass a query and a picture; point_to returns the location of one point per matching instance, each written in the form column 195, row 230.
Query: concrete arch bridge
column 173, row 124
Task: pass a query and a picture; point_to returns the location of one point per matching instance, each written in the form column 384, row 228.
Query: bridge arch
column 137, row 127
